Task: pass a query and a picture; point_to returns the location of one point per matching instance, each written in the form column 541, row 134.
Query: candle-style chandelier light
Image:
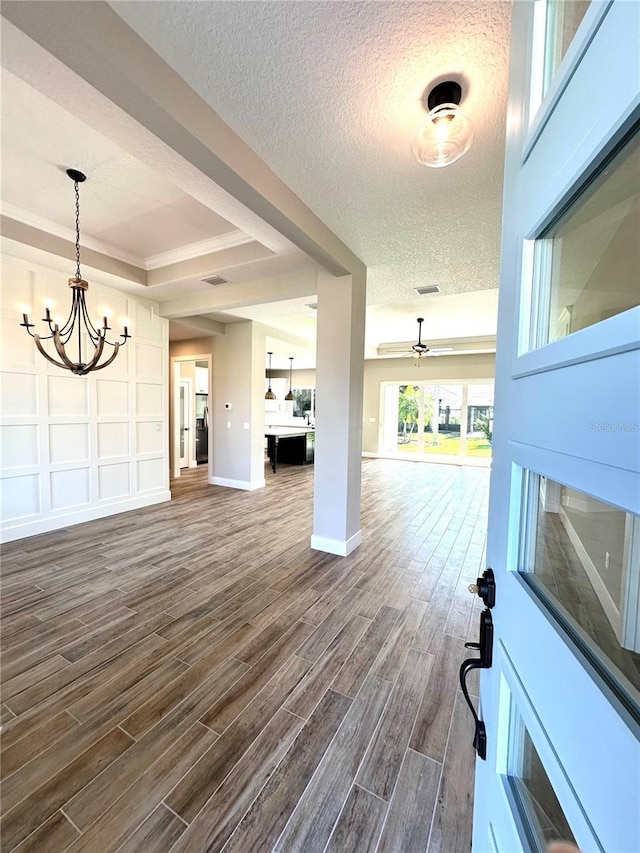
column 78, row 328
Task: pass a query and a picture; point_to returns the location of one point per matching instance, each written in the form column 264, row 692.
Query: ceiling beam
column 95, row 43
column 227, row 297
column 204, row 324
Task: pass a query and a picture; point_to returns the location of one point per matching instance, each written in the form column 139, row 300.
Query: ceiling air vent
column 215, row 279
column 430, row 288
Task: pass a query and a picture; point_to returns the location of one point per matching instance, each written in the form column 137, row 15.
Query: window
column 582, row 557
column 425, row 421
column 587, row 267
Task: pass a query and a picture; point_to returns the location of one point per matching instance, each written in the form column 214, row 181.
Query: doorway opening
column 189, row 424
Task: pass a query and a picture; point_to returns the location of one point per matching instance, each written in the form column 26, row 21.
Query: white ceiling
column 125, row 206
column 329, row 94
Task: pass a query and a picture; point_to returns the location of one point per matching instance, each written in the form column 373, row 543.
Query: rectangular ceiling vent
column 430, row 288
column 215, row 279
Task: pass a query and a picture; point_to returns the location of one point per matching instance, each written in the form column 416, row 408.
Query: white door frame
column 174, row 410
column 187, row 385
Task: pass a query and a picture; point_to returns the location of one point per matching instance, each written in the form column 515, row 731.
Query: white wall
column 74, row 448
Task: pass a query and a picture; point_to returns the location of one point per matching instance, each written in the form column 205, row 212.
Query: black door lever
column 485, row 647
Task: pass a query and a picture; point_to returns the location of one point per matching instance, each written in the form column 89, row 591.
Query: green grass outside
column 449, row 445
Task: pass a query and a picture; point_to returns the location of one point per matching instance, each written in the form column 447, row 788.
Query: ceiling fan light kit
column 447, row 132
column 78, row 322
column 420, row 349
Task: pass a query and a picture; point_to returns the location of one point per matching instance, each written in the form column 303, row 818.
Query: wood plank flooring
column 193, row 677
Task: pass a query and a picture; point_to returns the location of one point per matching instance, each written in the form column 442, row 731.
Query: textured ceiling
column 329, row 94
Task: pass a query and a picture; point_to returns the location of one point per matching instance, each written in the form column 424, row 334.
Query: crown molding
column 183, row 253
column 229, row 240
column 42, row 224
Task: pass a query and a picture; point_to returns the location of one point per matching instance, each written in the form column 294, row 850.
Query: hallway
column 191, row 676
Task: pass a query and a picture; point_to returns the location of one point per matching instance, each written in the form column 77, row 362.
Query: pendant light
column 289, row 397
column 269, row 395
column 419, row 348
column 78, row 322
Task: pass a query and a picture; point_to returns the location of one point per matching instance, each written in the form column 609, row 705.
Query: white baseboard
column 21, row 529
column 245, row 485
column 336, row 546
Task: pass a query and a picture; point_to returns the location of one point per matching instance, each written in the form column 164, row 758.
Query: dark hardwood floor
column 193, row 677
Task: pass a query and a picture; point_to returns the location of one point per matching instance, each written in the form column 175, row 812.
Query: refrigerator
column 202, row 428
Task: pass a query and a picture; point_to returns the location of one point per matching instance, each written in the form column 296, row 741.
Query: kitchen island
column 291, row 445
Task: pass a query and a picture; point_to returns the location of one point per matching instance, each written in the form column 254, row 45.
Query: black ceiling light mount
column 447, row 92
column 269, row 395
column 419, row 348
column 77, row 329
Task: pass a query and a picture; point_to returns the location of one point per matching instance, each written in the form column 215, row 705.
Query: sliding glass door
column 426, row 421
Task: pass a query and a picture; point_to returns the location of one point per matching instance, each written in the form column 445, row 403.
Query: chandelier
column 78, row 326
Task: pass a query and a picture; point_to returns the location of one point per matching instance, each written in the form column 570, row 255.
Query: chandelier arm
column 61, row 351
column 70, row 322
column 43, row 352
column 94, row 334
column 110, row 359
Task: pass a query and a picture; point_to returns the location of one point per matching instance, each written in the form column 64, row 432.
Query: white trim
column 584, row 35
column 229, row 240
column 340, row 547
column 42, row 224
column 606, row 602
column 245, row 485
column 61, row 520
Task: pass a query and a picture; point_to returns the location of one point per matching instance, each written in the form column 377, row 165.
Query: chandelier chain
column 75, row 184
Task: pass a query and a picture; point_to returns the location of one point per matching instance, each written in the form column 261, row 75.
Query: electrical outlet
column 606, row 559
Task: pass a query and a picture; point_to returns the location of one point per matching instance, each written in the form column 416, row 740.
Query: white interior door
column 185, row 423
column 561, row 702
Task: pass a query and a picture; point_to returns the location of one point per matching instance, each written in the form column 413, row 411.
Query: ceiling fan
column 417, row 350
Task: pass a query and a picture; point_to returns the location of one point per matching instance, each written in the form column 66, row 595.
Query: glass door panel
column 480, row 420
column 582, row 556
column 563, row 17
column 542, row 818
column 587, row 267
column 408, row 418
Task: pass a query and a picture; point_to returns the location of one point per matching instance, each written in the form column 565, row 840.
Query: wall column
column 339, row 381
column 238, row 432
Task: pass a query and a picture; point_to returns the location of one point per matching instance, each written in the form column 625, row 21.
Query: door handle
column 485, row 647
column 485, row 588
